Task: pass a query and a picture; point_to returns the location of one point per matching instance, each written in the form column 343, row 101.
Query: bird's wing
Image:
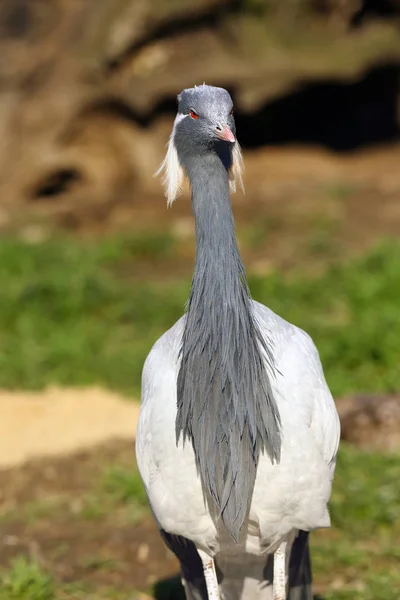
column 325, row 423
column 298, row 360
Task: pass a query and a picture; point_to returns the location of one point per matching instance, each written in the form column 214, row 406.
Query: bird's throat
column 217, row 254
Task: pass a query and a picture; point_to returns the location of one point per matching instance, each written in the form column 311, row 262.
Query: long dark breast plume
column 225, row 401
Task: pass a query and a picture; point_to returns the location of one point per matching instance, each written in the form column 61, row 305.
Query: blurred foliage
column 118, row 492
column 65, row 317
column 72, row 314
column 359, row 557
column 351, row 313
column 125, row 485
column 368, row 485
column 25, row 580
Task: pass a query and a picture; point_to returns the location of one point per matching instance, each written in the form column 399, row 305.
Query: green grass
column 119, row 491
column 351, row 313
column 124, row 485
column 359, row 557
column 69, row 316
column 72, row 313
column 368, row 485
column 25, row 580
column 340, row 190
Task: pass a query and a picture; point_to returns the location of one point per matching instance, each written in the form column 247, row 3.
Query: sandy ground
column 60, row 421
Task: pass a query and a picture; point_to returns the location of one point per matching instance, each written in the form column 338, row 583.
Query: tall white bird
column 238, row 432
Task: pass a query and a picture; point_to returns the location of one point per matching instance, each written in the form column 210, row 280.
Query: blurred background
column 93, row 267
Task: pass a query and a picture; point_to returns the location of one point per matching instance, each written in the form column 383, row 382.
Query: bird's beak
column 224, row 133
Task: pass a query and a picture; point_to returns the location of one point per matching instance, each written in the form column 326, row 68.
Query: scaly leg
column 210, row 576
column 280, row 577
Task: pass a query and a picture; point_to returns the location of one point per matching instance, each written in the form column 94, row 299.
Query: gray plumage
column 223, row 353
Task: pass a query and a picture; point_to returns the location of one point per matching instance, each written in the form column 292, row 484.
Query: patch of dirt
column 60, row 421
column 371, row 421
column 102, row 554
column 41, row 501
column 98, row 551
column 72, row 475
column 352, row 200
column 303, row 207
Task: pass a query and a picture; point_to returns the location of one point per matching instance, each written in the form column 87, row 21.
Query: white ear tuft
column 173, row 174
column 236, row 172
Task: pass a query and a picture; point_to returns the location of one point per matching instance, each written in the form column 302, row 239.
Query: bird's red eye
column 193, row 114
column 231, row 113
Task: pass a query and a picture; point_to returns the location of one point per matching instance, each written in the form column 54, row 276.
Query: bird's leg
column 186, row 588
column 210, row 576
column 280, row 577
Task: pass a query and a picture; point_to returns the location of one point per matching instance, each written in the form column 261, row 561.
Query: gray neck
column 225, row 403
column 218, row 263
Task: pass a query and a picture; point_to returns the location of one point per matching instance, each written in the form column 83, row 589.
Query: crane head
column 204, row 123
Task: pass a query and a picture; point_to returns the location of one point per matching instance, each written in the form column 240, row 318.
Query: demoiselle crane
column 238, row 432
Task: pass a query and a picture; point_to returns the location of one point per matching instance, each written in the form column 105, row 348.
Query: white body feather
column 288, row 496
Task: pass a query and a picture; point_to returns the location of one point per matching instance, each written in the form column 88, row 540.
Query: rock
column 371, row 422
column 86, row 82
